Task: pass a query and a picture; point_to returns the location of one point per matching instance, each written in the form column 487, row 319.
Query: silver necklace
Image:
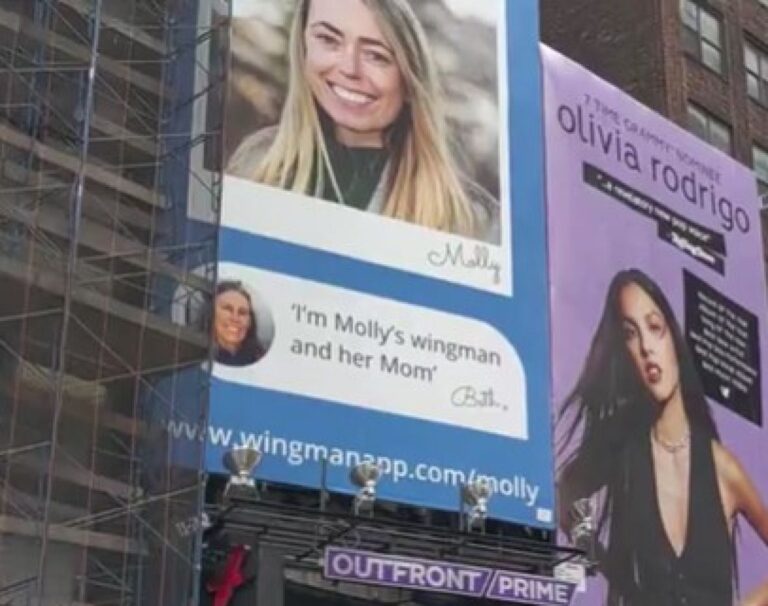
column 673, row 447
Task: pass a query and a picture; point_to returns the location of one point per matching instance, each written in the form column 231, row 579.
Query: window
column 756, row 62
column 760, row 165
column 702, row 35
column 709, row 128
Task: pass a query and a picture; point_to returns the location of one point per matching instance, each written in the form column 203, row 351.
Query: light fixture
column 240, row 461
column 582, row 533
column 365, row 475
column 475, row 495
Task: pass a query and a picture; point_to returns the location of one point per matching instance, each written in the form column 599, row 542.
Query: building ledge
column 21, row 25
column 54, row 220
column 67, row 471
column 73, row 536
column 104, row 209
column 68, row 161
column 86, row 400
column 119, row 133
column 119, row 25
column 172, row 336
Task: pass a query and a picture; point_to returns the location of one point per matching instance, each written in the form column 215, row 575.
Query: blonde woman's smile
column 351, row 96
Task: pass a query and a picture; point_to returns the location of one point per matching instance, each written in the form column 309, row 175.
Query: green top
column 358, row 172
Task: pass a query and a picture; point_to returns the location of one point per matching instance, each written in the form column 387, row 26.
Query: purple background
column 485, row 583
column 592, row 236
column 331, row 571
column 494, row 592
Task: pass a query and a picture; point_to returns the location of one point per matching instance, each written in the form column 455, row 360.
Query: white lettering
column 400, row 570
column 472, row 577
column 417, row 574
column 348, row 564
column 521, row 588
column 561, row 593
column 543, row 589
column 505, row 584
column 436, row 576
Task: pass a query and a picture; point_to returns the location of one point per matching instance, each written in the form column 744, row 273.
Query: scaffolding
column 98, row 98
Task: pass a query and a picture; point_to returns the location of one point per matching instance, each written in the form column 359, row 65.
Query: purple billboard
column 659, row 344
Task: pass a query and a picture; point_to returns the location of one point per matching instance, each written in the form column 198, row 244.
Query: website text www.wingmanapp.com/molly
column 300, row 452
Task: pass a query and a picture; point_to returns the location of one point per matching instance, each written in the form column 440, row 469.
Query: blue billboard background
column 425, row 459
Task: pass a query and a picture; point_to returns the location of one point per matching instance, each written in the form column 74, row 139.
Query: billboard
column 382, row 287
column 658, row 338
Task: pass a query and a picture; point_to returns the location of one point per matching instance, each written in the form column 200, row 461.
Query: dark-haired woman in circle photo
column 640, row 440
column 363, row 123
column 234, row 326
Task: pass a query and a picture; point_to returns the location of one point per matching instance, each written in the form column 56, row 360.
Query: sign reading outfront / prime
column 659, row 345
column 445, row 577
column 382, row 290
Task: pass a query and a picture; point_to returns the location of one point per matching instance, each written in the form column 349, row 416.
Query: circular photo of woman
column 242, row 325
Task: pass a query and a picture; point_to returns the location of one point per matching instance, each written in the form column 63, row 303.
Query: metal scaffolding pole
column 76, row 210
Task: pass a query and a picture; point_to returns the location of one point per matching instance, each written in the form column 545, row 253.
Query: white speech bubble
column 343, row 346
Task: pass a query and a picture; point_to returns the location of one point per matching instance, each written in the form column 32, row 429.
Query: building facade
column 701, row 63
column 96, row 505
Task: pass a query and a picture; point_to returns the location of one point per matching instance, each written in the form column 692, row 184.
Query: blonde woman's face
column 232, row 319
column 648, row 339
column 351, row 70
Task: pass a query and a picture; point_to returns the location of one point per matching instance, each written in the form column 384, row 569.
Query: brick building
column 702, row 63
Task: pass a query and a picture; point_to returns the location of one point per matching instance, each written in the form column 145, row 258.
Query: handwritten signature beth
column 455, row 255
column 467, row 396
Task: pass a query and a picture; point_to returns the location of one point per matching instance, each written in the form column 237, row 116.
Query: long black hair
column 610, row 406
column 250, row 350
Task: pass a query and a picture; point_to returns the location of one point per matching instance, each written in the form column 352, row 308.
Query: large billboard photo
column 382, row 278
column 658, row 340
column 407, row 156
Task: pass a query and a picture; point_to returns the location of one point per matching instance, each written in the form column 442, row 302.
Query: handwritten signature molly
column 467, row 396
column 455, row 255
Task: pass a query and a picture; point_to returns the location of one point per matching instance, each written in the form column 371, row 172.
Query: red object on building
column 223, row 586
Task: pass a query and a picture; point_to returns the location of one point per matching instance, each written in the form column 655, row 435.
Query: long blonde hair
column 423, row 181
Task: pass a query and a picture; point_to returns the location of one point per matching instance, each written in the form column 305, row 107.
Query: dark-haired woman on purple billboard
column 643, row 443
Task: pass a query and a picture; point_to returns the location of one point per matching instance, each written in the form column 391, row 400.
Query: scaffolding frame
column 96, row 256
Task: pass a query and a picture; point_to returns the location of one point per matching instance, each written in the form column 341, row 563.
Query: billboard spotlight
column 475, row 495
column 582, row 533
column 365, row 475
column 240, row 461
